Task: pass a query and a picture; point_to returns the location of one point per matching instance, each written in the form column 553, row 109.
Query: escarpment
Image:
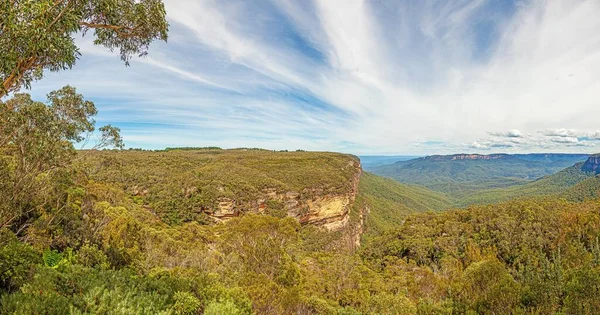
column 318, row 206
column 208, row 186
column 592, row 164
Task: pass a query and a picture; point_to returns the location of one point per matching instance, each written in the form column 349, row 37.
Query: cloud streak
column 413, row 77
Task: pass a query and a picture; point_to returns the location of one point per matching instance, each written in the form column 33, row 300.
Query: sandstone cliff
column 592, row 164
column 313, row 205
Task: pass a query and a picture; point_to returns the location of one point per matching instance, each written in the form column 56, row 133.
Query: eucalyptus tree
column 38, row 35
column 37, row 150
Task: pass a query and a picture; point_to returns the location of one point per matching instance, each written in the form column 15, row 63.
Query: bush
column 390, row 304
column 223, row 307
column 17, row 261
column 91, row 256
column 186, row 303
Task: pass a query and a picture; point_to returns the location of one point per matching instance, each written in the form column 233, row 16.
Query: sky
column 363, row 77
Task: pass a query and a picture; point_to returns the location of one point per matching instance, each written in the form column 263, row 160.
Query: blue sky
column 364, row 77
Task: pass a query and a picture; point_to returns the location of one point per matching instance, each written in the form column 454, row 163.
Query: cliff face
column 310, row 206
column 466, row 157
column 592, row 164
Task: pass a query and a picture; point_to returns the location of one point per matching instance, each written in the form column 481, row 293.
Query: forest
column 120, row 236
column 109, row 230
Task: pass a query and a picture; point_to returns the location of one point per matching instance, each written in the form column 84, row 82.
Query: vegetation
column 459, row 177
column 484, row 181
column 539, row 257
column 37, row 35
column 36, row 150
column 181, row 185
column 390, row 202
column 588, row 189
column 528, row 256
column 118, row 232
column 557, row 184
column 136, row 232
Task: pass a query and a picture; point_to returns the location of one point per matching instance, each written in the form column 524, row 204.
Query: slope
column 213, row 184
column 572, row 181
column 389, row 202
column 462, row 174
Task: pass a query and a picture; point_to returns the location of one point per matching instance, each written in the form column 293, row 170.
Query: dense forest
column 122, row 234
column 251, row 231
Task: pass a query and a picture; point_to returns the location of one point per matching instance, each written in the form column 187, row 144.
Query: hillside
column 213, row 184
column 464, row 173
column 260, row 232
column 587, row 189
column 576, row 183
column 208, row 185
column 389, row 202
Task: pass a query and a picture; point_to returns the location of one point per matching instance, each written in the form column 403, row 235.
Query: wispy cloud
column 426, row 76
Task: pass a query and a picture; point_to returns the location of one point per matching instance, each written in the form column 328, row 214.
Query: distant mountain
column 575, row 183
column 552, row 157
column 592, row 164
column 370, row 161
column 465, row 173
column 585, row 190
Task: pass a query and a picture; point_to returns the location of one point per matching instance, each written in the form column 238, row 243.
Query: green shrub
column 91, row 256
column 223, row 307
column 17, row 261
column 52, row 258
column 391, row 304
column 186, row 303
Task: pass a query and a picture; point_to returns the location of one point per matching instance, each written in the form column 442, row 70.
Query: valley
column 482, row 179
column 255, row 231
column 199, row 173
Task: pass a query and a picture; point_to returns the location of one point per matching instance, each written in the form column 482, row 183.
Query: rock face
column 466, row 157
column 311, row 206
column 331, row 212
column 592, row 164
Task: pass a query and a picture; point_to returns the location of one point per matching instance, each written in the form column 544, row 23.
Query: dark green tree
column 38, row 35
column 37, row 147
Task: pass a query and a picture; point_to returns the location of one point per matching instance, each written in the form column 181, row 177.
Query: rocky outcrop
column 466, row 157
column 592, row 164
column 314, row 206
column 332, row 212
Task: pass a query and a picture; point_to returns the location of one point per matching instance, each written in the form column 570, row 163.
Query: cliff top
column 179, row 184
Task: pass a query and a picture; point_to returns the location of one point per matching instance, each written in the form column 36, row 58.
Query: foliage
column 91, row 256
column 182, row 185
column 458, row 175
column 226, row 307
column 186, row 303
column 17, row 261
column 36, row 151
column 37, row 35
column 52, row 258
column 142, row 243
column 390, row 202
column 522, row 255
column 76, row 289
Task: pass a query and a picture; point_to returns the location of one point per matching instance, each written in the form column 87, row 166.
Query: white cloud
column 367, row 76
column 513, row 133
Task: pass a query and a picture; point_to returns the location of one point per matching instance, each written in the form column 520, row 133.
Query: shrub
column 186, row 303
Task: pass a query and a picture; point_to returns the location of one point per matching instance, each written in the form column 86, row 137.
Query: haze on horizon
column 366, row 77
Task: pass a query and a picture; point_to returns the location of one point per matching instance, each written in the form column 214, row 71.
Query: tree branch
column 122, row 31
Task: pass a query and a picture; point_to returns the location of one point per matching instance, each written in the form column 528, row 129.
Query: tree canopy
column 36, row 148
column 38, row 35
